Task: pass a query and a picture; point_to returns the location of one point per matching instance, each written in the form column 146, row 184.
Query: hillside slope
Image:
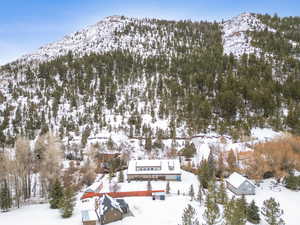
column 153, row 79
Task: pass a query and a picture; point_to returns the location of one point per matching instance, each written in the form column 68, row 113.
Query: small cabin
column 158, row 196
column 240, row 185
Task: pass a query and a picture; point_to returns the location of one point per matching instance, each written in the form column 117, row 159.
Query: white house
column 240, row 185
column 154, row 170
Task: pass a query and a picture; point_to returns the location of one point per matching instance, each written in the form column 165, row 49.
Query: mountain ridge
column 100, row 38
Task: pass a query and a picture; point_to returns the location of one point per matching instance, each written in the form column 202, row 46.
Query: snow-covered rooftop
column 236, row 179
column 106, row 203
column 167, row 166
column 148, row 163
column 95, row 187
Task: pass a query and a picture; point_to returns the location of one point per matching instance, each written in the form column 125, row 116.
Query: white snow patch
column 235, row 38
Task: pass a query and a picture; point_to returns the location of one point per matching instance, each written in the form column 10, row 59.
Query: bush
column 189, row 151
column 292, row 182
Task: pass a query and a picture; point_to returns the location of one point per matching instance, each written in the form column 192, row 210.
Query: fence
column 121, row 194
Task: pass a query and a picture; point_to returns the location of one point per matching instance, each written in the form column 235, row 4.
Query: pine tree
column 212, row 189
column 121, row 177
column 233, row 214
column 110, row 144
column 228, row 212
column 222, row 197
column 149, row 186
column 200, row 194
column 5, row 197
column 56, row 194
column 203, row 174
column 220, row 165
column 242, row 205
column 253, row 213
column 67, row 203
column 189, row 216
column 272, row 212
column 148, row 143
column 191, row 192
column 211, row 163
column 110, row 174
column 168, row 188
column 212, row 212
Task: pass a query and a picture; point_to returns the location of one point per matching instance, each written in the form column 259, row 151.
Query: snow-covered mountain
column 111, row 33
column 97, row 38
column 117, row 32
column 149, row 78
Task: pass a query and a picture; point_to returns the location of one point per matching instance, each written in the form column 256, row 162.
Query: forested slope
column 156, row 72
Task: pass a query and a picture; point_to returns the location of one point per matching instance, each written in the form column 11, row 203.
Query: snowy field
column 148, row 212
column 183, row 186
column 289, row 200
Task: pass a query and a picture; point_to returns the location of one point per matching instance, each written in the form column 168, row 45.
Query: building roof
column 106, row 203
column 236, row 180
column 148, row 163
column 167, row 166
column 88, row 215
column 122, row 203
column 95, row 187
column 158, row 193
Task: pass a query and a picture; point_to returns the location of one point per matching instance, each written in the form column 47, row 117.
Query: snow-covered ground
column 289, row 200
column 143, row 208
column 204, row 142
column 264, row 134
column 183, row 186
column 39, row 214
column 148, row 212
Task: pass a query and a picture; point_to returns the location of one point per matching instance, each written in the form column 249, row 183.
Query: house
column 109, row 210
column 89, row 217
column 154, row 170
column 240, row 185
column 105, row 156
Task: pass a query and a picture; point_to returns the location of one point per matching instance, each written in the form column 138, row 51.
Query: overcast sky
column 25, row 25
